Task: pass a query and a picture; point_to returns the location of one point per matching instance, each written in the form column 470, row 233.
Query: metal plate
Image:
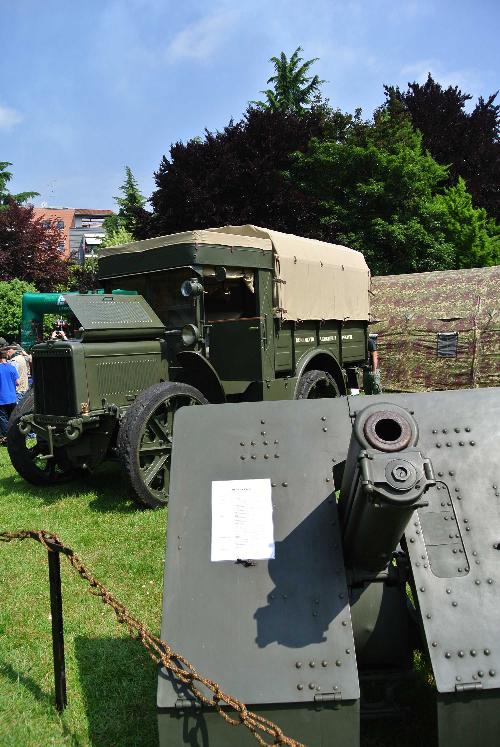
column 106, row 311
column 453, row 553
column 334, row 724
column 278, row 631
column 468, row 719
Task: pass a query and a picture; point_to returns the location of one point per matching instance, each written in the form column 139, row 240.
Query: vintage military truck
column 221, row 315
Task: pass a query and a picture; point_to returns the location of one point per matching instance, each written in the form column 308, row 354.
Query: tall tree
column 467, row 141
column 293, row 89
column 29, row 250
column 131, row 211
column 375, row 193
column 236, row 176
column 5, row 195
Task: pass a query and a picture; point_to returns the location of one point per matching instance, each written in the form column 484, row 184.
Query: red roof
column 87, row 211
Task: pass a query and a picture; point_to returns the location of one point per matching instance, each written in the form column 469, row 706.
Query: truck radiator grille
column 118, row 377
column 54, row 384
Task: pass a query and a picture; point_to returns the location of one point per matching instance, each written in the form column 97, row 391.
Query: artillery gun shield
column 276, row 631
column 453, row 545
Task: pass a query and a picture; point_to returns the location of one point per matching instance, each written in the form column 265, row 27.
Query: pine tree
column 131, row 205
column 293, row 89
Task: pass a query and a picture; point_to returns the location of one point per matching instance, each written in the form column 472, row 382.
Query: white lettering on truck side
column 328, row 338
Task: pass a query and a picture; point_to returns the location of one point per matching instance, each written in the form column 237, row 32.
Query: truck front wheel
column 28, row 452
column 144, row 442
column 316, row 385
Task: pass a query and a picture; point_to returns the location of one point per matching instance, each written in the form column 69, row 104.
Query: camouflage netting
column 417, row 317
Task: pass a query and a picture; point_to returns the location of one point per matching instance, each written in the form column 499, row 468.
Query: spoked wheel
column 145, row 440
column 27, row 451
column 317, row 385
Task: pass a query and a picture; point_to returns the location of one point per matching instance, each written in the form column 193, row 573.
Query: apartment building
column 81, row 229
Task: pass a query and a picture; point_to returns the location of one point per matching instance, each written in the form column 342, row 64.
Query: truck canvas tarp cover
column 314, row 279
column 438, row 330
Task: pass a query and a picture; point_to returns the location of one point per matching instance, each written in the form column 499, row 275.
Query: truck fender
column 198, row 372
column 322, row 360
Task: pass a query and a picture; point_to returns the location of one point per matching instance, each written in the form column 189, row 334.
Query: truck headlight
column 191, row 287
column 190, row 334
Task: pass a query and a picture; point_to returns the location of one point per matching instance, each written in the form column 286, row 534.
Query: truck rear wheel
column 27, row 452
column 144, row 442
column 316, row 385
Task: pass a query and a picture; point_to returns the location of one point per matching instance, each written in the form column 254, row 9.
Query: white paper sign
column 242, row 520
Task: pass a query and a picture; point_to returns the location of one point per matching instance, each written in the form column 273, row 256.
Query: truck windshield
column 232, row 298
column 162, row 290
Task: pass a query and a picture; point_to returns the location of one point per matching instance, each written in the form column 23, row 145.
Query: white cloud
column 8, row 117
column 201, row 39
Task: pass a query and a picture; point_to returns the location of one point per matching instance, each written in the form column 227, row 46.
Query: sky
column 87, row 88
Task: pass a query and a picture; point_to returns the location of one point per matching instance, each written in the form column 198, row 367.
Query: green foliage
column 476, row 238
column 293, row 90
column 111, row 223
column 83, row 277
column 5, row 196
column 116, row 234
column 375, row 193
column 131, row 210
column 466, row 140
column 11, row 292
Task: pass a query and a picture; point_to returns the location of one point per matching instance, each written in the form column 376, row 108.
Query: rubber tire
column 19, row 455
column 310, row 380
column 130, row 432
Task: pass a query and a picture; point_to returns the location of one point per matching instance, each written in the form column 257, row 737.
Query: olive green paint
column 313, row 725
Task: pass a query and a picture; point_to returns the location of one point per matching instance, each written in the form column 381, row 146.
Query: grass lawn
column 110, row 679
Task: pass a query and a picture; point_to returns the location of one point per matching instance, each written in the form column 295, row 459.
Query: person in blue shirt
column 8, row 397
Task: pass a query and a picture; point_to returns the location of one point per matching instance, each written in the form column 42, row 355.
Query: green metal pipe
column 35, row 305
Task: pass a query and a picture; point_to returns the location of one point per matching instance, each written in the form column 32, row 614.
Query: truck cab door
column 241, row 338
column 235, row 348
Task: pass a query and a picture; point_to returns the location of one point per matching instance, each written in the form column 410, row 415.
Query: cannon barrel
column 384, row 480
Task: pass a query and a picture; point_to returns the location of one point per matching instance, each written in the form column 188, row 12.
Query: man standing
column 16, row 358
column 8, row 397
column 371, row 378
